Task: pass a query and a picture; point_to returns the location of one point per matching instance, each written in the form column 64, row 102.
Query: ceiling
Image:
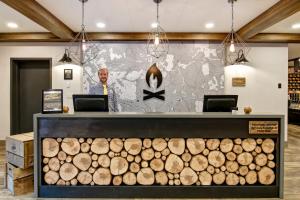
column 137, row 15
column 285, row 26
column 8, row 14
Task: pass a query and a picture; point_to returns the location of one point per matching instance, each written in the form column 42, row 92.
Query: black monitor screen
column 90, row 103
column 219, row 103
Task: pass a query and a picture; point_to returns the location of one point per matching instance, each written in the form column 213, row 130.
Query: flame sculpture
column 156, row 73
column 153, row 70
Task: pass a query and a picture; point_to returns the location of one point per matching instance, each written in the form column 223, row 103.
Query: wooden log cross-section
column 158, row 161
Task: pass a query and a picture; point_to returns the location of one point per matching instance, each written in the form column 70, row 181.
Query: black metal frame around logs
column 151, row 128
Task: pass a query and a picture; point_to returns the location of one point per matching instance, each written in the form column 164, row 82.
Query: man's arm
column 92, row 90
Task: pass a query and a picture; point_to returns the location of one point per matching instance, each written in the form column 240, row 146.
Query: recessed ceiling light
column 296, row 26
column 154, row 25
column 209, row 25
column 12, row 25
column 101, row 25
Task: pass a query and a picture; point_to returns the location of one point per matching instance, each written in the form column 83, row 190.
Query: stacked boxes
column 20, row 157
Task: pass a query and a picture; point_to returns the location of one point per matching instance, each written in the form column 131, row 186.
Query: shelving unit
column 294, row 81
column 294, row 95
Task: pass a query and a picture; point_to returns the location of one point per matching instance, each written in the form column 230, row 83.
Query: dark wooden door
column 29, row 78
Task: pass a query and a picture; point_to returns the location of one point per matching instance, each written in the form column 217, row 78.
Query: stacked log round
column 84, row 178
column 71, row 146
column 161, row 178
column 116, row 145
column 54, row 164
column 129, row 178
column 195, row 145
column 145, row 176
column 100, row 146
column 51, row 177
column 188, row 176
column 102, row 176
column 117, row 180
column 158, row 161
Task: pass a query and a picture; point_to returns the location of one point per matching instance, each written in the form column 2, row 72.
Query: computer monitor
column 90, row 103
column 219, row 103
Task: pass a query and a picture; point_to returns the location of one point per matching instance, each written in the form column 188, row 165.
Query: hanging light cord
column 157, row 16
column 232, row 20
column 82, row 16
column 157, row 11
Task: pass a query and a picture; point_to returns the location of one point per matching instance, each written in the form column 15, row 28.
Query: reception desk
column 159, row 155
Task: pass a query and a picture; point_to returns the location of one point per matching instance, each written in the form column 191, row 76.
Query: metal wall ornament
column 66, row 57
column 83, row 50
column 158, row 43
column 233, row 46
column 241, row 59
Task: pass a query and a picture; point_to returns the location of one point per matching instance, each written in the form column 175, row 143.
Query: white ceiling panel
column 175, row 15
column 8, row 14
column 285, row 26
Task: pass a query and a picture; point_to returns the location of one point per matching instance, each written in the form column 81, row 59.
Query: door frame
column 14, row 87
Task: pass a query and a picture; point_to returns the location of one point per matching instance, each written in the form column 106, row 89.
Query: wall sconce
column 241, row 59
column 66, row 57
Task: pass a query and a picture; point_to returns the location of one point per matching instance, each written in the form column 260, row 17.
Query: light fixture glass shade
column 157, row 44
column 66, row 57
column 81, row 49
column 229, row 49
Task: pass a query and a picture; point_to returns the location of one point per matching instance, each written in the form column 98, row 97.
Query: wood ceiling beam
column 140, row 36
column 37, row 13
column 275, row 14
column 30, row 37
column 212, row 37
column 275, row 38
column 49, row 37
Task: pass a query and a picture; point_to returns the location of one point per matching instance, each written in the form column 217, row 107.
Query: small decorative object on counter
column 247, row 110
column 52, row 101
column 66, row 109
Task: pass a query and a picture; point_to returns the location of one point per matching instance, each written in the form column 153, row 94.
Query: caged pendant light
column 81, row 49
column 158, row 44
column 233, row 46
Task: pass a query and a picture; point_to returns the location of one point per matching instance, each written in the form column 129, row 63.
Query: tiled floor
column 291, row 170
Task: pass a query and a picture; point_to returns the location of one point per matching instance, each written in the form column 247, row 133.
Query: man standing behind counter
column 102, row 88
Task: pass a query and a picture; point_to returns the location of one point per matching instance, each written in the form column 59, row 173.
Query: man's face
column 103, row 75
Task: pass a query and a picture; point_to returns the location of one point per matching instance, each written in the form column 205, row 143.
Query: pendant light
column 158, row 44
column 81, row 49
column 233, row 48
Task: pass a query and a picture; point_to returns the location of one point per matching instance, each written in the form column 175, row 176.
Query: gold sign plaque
column 238, row 82
column 263, row 127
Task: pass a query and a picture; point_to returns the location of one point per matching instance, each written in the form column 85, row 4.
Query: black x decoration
column 158, row 95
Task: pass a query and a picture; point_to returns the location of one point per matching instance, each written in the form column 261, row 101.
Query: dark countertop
column 159, row 115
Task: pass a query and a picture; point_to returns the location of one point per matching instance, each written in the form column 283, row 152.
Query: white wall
column 8, row 51
column 294, row 50
column 268, row 67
